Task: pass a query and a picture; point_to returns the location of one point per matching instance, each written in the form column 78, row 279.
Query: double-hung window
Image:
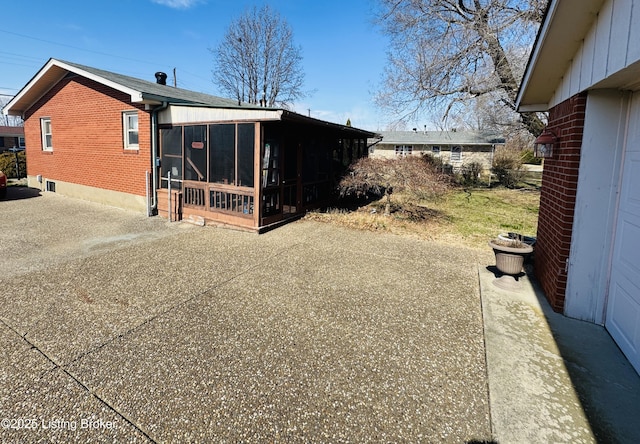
column 45, row 129
column 130, row 126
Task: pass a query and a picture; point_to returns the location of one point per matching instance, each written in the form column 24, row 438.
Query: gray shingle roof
column 143, row 91
column 163, row 92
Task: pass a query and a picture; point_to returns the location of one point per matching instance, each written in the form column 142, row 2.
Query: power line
column 21, row 56
column 37, row 59
column 76, row 47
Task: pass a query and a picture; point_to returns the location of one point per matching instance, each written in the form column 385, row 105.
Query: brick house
column 584, row 70
column 10, row 137
column 118, row 140
column 456, row 148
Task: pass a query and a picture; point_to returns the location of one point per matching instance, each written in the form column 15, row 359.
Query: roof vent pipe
column 161, row 78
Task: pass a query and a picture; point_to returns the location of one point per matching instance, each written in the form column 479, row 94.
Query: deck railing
column 218, row 198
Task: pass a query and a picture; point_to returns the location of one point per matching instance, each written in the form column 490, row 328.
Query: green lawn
column 468, row 218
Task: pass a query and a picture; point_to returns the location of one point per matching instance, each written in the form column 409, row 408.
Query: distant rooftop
column 440, row 137
column 11, row 130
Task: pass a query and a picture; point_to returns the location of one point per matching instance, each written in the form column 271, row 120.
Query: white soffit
column 566, row 24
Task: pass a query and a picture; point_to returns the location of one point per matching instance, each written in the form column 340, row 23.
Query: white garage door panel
column 628, row 252
column 623, row 307
column 624, row 326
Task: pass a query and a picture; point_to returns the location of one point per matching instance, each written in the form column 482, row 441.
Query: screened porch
column 253, row 175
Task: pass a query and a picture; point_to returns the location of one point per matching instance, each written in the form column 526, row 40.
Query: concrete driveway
column 115, row 326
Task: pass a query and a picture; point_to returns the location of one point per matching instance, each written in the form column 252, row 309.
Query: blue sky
column 343, row 52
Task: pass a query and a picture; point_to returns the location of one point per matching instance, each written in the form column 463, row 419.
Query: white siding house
column 457, row 148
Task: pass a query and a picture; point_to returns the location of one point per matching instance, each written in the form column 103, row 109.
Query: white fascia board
column 44, row 70
column 534, row 108
column 136, row 96
column 535, row 54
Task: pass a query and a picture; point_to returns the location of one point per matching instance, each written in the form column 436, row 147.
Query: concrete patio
column 118, row 327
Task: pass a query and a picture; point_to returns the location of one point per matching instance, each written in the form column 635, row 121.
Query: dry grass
column 463, row 218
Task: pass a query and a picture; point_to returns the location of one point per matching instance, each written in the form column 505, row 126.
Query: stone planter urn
column 510, row 255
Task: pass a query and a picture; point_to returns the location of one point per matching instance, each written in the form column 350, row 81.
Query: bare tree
column 6, row 120
column 447, row 53
column 257, row 61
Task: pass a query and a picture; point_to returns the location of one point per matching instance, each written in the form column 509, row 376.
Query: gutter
column 155, row 160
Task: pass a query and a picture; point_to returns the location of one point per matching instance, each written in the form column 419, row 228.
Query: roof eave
column 290, row 115
column 533, row 108
column 49, row 75
column 566, row 21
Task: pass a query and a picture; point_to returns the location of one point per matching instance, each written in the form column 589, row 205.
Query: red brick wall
column 557, row 199
column 87, row 135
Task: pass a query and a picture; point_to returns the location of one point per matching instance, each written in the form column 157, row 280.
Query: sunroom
column 249, row 168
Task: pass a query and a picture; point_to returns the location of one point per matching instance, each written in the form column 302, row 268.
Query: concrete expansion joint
column 486, row 358
column 56, row 366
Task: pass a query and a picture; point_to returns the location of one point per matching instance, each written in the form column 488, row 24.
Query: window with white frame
column 45, row 128
column 456, row 153
column 435, row 150
column 21, row 142
column 404, row 150
column 130, row 126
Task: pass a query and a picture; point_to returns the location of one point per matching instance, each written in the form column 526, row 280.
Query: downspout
column 155, row 160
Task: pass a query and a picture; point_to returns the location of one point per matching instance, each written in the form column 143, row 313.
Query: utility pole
column 175, row 80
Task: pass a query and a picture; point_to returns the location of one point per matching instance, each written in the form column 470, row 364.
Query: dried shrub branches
column 412, row 175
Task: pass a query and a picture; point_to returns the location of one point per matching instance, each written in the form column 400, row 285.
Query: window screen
column 245, row 154
column 222, row 153
column 195, row 150
column 171, row 149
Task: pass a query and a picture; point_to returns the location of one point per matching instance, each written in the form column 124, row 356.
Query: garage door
column 623, row 307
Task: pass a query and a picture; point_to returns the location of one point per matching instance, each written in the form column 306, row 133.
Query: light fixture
column 544, row 144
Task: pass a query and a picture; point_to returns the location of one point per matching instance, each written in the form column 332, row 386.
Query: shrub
column 529, row 158
column 8, row 164
column 376, row 177
column 437, row 164
column 470, row 173
column 507, row 166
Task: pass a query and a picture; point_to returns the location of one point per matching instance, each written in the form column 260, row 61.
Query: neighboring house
column 585, row 70
column 10, row 137
column 110, row 138
column 457, row 148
